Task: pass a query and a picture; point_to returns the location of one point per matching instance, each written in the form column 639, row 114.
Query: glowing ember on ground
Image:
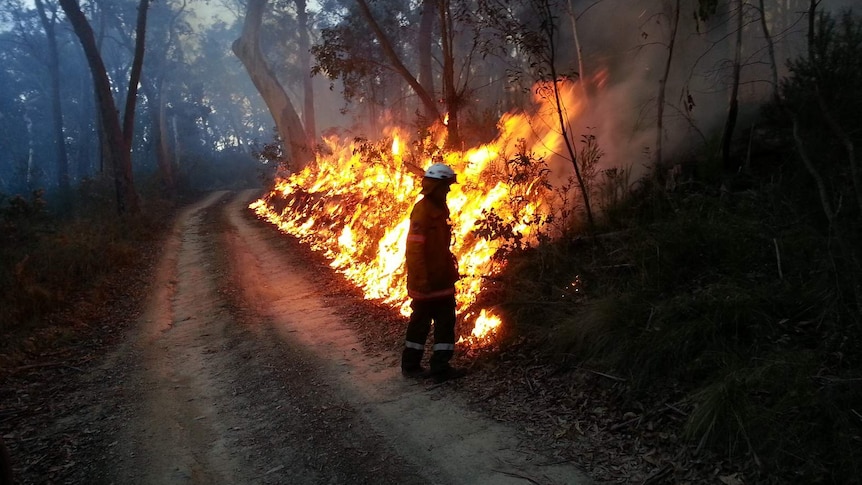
column 353, row 204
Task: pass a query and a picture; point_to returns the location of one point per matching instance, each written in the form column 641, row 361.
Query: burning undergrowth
column 353, row 205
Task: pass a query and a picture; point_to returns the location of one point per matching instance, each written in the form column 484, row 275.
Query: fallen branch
column 44, row 364
column 836, row 380
column 518, row 475
column 624, row 424
column 778, row 259
column 658, row 476
column 488, row 397
column 615, row 378
column 674, row 408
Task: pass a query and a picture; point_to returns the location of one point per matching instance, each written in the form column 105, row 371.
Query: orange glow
column 353, row 205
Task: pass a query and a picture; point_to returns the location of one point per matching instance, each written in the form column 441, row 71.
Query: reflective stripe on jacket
column 431, row 267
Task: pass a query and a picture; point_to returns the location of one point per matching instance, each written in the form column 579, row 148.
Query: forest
column 665, row 193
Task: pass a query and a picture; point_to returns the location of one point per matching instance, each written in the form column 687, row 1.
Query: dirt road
column 241, row 370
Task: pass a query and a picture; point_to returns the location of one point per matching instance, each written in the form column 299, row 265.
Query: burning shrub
column 353, row 204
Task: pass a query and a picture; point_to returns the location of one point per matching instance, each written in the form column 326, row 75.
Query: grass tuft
column 50, row 261
column 728, row 298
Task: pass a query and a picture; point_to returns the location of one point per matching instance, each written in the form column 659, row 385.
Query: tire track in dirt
column 430, row 426
column 211, row 395
column 172, row 436
column 240, row 370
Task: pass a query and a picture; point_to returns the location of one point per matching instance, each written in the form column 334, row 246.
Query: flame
column 353, row 205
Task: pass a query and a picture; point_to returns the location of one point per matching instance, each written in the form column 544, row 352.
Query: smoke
column 625, row 51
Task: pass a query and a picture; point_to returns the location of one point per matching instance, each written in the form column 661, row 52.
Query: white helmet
column 440, row 171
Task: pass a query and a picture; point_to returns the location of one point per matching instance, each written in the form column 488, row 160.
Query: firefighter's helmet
column 440, row 171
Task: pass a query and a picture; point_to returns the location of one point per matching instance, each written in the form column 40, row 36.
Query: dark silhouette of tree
column 162, row 43
column 49, row 24
column 153, row 86
column 733, row 102
column 424, row 41
column 535, row 31
column 394, row 59
column 662, row 89
column 408, row 43
column 118, row 137
column 305, row 68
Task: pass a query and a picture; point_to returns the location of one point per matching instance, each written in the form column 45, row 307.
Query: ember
column 353, row 205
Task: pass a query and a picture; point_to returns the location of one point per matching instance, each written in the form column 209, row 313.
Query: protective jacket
column 431, row 267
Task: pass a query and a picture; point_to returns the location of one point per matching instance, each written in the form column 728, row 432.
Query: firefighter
column 431, row 275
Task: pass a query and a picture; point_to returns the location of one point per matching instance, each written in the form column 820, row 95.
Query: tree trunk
column 165, row 159
column 88, row 127
column 135, row 75
column 579, row 53
column 450, row 90
column 105, row 164
column 659, row 162
column 550, row 34
column 159, row 127
column 423, row 48
column 305, row 67
column 425, row 97
column 177, row 148
column 158, row 108
column 56, row 105
column 287, row 122
column 120, row 154
column 838, row 130
column 770, row 45
column 733, row 106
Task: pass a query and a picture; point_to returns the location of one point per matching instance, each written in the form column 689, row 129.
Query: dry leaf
column 731, row 479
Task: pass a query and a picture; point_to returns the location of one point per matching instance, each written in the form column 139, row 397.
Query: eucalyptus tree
column 534, row 27
column 15, row 121
column 823, row 98
column 21, row 90
column 671, row 45
column 831, row 78
column 162, row 81
column 731, row 17
column 48, row 14
column 432, row 46
column 163, row 66
column 249, row 49
column 579, row 51
column 393, row 57
column 237, row 113
column 737, row 52
column 51, row 109
column 118, row 136
column 286, row 36
column 304, row 44
column 347, row 51
column 770, row 47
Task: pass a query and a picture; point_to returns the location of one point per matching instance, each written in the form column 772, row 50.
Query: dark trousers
column 442, row 313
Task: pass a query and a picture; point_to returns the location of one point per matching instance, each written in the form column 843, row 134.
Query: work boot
column 411, row 363
column 446, row 373
column 414, row 372
column 440, row 359
column 441, row 371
